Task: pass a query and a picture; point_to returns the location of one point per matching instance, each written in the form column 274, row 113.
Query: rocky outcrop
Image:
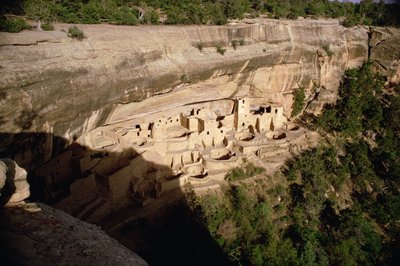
column 47, row 236
column 14, row 187
column 36, row 234
column 385, row 52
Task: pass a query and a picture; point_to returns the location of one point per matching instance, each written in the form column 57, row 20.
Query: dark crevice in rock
column 26, row 44
column 314, row 98
column 369, row 32
column 380, row 64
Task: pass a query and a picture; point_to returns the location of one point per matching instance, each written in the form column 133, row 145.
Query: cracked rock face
column 51, row 237
column 385, row 52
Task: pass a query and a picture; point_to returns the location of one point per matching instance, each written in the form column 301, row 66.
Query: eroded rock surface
column 36, row 234
column 14, row 187
column 385, row 52
column 51, row 83
column 51, row 237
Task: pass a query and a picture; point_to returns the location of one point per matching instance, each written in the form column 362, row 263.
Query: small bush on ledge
column 220, row 49
column 237, row 42
column 328, row 50
column 47, row 27
column 199, row 46
column 75, row 33
column 241, row 173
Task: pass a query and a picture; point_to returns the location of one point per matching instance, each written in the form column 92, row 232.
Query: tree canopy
column 215, row 12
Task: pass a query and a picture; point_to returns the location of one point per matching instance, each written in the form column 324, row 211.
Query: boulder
column 14, row 187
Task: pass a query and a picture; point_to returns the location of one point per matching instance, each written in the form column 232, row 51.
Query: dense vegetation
column 217, row 12
column 298, row 101
column 14, row 25
column 337, row 204
column 76, row 33
column 247, row 170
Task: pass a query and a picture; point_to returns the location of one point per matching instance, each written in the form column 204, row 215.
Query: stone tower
column 241, row 114
column 158, row 131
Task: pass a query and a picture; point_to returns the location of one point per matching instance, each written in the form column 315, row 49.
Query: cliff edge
column 36, row 234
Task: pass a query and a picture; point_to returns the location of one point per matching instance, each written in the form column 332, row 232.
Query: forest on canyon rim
column 216, row 12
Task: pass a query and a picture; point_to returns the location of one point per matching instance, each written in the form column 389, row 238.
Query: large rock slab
column 14, row 187
column 49, row 236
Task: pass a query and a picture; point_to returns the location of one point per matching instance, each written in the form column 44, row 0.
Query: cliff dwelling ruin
column 142, row 158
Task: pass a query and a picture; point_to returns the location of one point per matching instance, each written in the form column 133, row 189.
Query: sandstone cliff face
column 385, row 52
column 52, row 84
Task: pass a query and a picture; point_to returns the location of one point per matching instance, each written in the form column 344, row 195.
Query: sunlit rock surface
column 52, row 83
column 14, row 187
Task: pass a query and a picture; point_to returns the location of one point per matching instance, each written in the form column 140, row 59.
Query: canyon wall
column 58, row 86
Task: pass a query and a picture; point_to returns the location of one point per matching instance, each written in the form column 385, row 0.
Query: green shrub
column 236, row 174
column 91, row 13
column 68, row 12
column 47, row 26
column 209, row 11
column 298, row 103
column 249, row 170
column 151, row 17
column 235, row 44
column 252, row 170
column 184, row 78
column 220, row 49
column 124, row 17
column 328, row 50
column 39, row 10
column 13, row 25
column 199, row 46
column 75, row 33
column 176, row 15
column 215, row 14
column 357, row 109
column 351, row 21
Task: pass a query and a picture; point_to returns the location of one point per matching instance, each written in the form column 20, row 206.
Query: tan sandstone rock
column 13, row 183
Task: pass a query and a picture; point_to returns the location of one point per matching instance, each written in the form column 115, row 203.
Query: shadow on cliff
column 163, row 232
